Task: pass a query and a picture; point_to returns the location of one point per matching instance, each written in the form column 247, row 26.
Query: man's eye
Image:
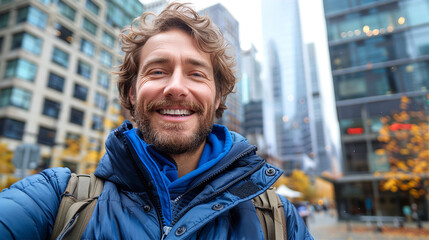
column 157, row 72
column 197, row 74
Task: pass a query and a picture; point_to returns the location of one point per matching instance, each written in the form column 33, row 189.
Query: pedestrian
column 406, row 210
column 175, row 175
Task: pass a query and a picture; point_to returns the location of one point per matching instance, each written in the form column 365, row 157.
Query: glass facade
column 60, row 57
column 92, row 7
column 21, row 68
column 28, row 42
column 108, row 39
column 84, row 69
column 56, row 82
column 97, row 123
column 117, row 16
column 12, row 128
column 16, row 97
column 64, row 33
column 51, row 108
column 66, row 10
column 76, row 116
column 106, row 58
column 89, row 26
column 33, row 16
column 4, row 19
column 100, row 101
column 103, row 79
column 80, row 92
column 87, row 47
column 46, row 136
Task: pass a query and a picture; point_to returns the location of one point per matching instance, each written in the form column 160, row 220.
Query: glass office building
column 379, row 52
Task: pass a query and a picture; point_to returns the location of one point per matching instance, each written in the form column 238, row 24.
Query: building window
column 28, row 42
column 66, row 10
column 80, row 92
column 11, row 128
column 92, row 7
column 107, row 39
column 89, row 26
column 84, row 69
column 76, row 116
column 60, row 57
column 51, row 108
column 46, row 136
column 106, row 58
column 56, row 82
column 87, row 47
column 4, row 19
column 1, row 44
column 100, row 101
column 97, row 123
column 103, row 79
column 64, row 33
column 73, row 142
column 33, row 16
column 15, row 97
column 21, row 68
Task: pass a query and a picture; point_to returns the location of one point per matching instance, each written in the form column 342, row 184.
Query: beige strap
column 270, row 211
column 78, row 202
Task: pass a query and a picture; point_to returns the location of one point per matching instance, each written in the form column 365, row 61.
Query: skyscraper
column 286, row 125
column 379, row 53
column 251, row 86
column 232, row 117
column 321, row 145
column 56, row 88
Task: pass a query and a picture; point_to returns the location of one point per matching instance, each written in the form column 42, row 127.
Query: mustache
column 165, row 103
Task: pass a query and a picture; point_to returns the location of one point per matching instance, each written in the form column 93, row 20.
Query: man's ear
column 217, row 101
column 132, row 95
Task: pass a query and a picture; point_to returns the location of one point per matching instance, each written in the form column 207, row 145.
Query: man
column 177, row 175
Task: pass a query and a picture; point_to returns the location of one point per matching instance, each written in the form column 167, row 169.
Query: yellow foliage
column 6, row 155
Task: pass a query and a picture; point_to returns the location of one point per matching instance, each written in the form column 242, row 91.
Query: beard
column 169, row 139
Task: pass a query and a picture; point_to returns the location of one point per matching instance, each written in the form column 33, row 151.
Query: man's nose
column 176, row 86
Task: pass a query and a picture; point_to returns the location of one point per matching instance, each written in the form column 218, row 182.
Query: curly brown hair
column 208, row 37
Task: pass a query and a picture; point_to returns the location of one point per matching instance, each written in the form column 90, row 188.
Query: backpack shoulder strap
column 270, row 211
column 76, row 207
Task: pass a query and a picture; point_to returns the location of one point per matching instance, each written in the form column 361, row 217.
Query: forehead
column 173, row 43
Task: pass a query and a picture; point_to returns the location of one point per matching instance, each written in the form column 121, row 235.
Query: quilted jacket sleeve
column 28, row 207
column 295, row 226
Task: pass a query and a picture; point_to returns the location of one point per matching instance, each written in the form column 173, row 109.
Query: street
column 325, row 227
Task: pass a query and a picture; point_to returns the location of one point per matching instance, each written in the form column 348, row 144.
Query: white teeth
column 180, row 112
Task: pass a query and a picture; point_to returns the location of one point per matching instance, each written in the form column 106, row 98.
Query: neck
column 187, row 162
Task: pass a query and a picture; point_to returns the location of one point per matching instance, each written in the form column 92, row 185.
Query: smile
column 175, row 112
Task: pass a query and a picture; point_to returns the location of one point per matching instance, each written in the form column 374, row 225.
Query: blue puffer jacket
column 217, row 204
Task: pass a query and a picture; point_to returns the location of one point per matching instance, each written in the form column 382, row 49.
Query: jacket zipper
column 163, row 228
column 218, row 192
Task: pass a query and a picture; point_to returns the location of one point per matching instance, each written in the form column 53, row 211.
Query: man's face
column 175, row 94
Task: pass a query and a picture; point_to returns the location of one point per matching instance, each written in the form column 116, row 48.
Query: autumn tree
column 405, row 138
column 300, row 182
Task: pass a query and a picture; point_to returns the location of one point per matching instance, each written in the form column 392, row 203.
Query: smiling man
column 176, row 175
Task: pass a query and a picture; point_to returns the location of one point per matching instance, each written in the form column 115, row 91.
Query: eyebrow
column 150, row 62
column 166, row 60
column 198, row 63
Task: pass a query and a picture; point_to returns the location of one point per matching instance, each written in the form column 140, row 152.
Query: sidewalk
column 324, row 227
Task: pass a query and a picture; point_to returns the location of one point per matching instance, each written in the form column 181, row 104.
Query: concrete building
column 56, row 89
column 379, row 54
column 233, row 116
column 286, row 112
